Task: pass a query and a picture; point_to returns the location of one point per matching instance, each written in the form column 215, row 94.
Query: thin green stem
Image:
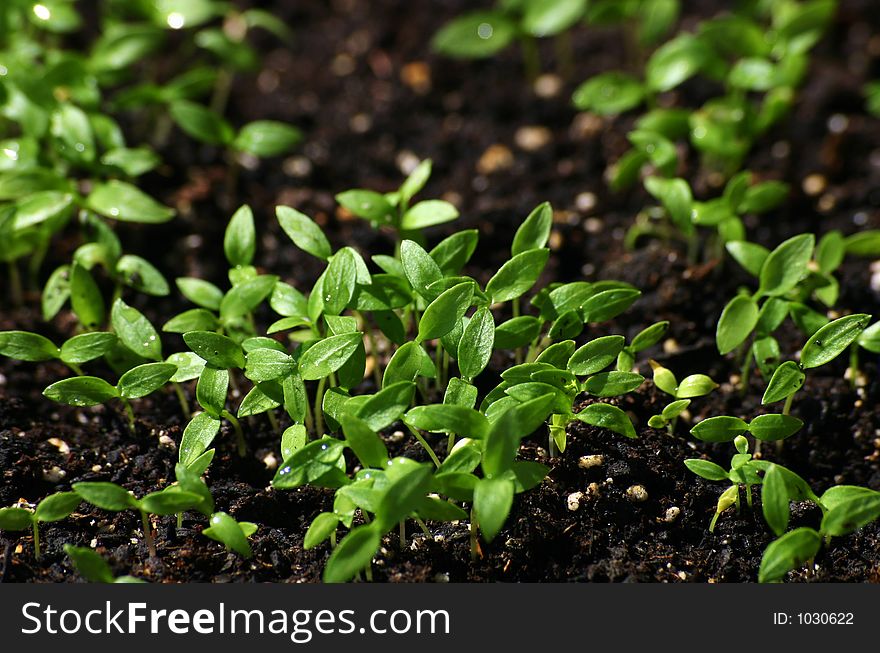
column 181, row 397
column 319, row 408
column 424, row 444
column 472, row 536
column 854, row 365
column 273, row 421
column 239, row 434
column 424, row 528
column 401, row 531
column 129, row 412
column 76, row 368
column 35, row 524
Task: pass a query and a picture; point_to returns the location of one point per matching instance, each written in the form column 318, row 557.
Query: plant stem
column 531, row 57
column 239, row 434
column 76, row 368
column 179, row 520
column 401, row 530
column 319, row 408
column 472, row 534
column 128, row 412
column 424, row 528
column 273, row 421
column 854, row 365
column 564, row 54
column 36, row 528
column 148, row 534
column 745, row 371
column 424, row 444
column 181, row 397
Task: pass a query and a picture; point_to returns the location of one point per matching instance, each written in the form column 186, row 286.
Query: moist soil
column 360, row 80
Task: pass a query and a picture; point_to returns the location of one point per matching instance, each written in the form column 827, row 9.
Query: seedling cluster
column 460, row 363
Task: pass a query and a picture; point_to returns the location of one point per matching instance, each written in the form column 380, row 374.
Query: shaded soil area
column 360, row 80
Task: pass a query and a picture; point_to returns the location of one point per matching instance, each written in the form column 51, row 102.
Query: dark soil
column 348, row 81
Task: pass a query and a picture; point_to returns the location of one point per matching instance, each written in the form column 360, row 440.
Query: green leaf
column 476, row 344
column 502, row 441
column 676, row 197
column 786, row 265
column 475, row 35
column 737, row 321
column 244, row 297
column 675, row 62
column 864, row 243
column 774, row 500
column 141, row 275
column 328, row 355
column 408, row 362
column 493, row 498
column 596, row 355
column 293, row 439
column 830, row 251
column 268, row 364
column 788, row 552
column 386, row 406
column 517, row 275
column 453, row 252
column 239, row 241
column 832, row 339
column 85, row 347
column 106, row 496
column 145, row 379
column 339, row 282
column 850, row 515
column 517, row 332
column 416, row 181
column 695, row 385
column 460, row 393
column 362, row 439
column 58, row 506
column 227, row 531
column 549, row 17
column 612, row 384
column 263, row 397
column 200, row 292
column 420, row 269
column 763, row 197
column 75, row 139
column 303, row 231
column 85, row 297
column 719, row 429
column 448, row 418
column 26, row 346
column 749, row 255
column 840, row 494
column 706, row 469
column 15, row 519
column 201, row 123
column 442, row 314
column 322, row 527
column 122, row 201
column 135, row 331
column 218, row 350
column 649, row 336
column 534, row 232
column 675, row 408
column 197, row 437
column 609, row 93
column 773, row 427
column 355, row 551
column 81, row 391
column 170, row 501
column 369, row 205
column 89, row 564
column 265, row 138
column 401, row 497
column 427, row 214
column 211, row 390
column 56, row 292
column 609, row 417
column 195, row 319
column 608, row 304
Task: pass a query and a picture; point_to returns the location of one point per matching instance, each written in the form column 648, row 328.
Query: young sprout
column 695, row 385
column 32, row 347
column 232, row 534
column 54, row 507
column 112, row 497
column 93, row 567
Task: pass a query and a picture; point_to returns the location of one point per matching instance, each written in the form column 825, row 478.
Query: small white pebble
column 54, row 475
column 96, row 468
column 637, row 493
column 397, row 436
column 61, row 445
column 670, row 346
column 94, row 543
column 548, row 86
column 594, row 460
column 270, row 461
column 574, row 500
column 532, row 137
column 672, row 514
column 442, row 577
column 167, row 442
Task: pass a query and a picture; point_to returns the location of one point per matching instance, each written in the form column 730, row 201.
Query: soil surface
column 360, row 80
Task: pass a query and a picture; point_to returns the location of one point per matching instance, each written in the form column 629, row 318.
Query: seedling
column 114, row 498
column 232, row 534
column 54, row 507
column 32, row 347
column 93, row 567
column 692, row 386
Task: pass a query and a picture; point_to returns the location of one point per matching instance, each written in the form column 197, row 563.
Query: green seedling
column 54, row 507
column 692, row 386
column 92, row 567
column 230, row 533
column 114, row 498
column 138, row 382
column 32, row 347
